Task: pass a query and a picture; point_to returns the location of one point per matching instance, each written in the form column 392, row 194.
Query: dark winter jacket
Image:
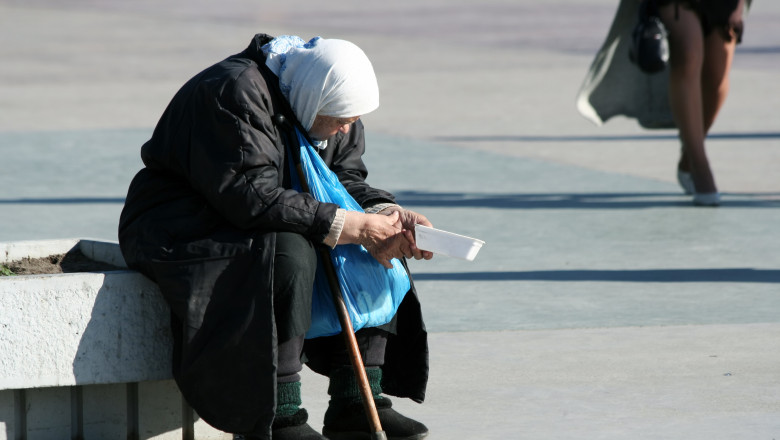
column 200, row 220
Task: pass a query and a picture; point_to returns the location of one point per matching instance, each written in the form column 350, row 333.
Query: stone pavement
column 603, row 305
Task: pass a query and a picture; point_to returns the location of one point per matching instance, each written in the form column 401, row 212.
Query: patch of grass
column 5, row 271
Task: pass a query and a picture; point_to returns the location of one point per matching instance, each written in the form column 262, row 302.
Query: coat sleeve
column 236, row 161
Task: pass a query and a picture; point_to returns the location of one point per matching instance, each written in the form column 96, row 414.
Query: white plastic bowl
column 447, row 243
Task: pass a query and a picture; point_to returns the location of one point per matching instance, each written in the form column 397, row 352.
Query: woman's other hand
column 408, row 220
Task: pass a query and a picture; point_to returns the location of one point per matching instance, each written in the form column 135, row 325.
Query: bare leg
column 718, row 55
column 715, row 76
column 686, row 62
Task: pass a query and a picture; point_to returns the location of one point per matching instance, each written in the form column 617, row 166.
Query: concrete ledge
column 80, row 328
column 87, row 355
column 103, row 251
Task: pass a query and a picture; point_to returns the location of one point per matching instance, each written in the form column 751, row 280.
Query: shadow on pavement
column 502, row 201
column 601, row 138
column 727, row 275
column 577, row 200
column 62, row 201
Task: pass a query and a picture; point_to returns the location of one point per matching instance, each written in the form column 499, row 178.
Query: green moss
column 5, row 271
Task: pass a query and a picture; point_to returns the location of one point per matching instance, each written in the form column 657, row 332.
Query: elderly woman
column 214, row 220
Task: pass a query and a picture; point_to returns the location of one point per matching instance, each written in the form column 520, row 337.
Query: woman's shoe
column 706, row 199
column 350, row 422
column 686, row 181
column 293, row 427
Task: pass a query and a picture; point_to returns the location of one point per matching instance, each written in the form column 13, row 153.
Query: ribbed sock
column 344, row 383
column 288, row 398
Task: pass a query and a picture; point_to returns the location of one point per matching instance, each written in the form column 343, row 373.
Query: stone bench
column 87, row 355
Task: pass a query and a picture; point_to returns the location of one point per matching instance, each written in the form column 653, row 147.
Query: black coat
column 200, row 220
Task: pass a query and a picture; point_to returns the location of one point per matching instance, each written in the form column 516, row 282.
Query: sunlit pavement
column 603, row 304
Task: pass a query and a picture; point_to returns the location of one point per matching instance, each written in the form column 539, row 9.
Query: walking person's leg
column 719, row 47
column 715, row 76
column 686, row 62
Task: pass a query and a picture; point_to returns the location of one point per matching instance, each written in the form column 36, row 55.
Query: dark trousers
column 295, row 264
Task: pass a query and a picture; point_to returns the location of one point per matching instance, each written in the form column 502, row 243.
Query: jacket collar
column 254, row 51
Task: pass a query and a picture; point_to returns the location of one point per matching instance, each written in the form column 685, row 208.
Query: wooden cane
column 353, row 348
column 346, row 323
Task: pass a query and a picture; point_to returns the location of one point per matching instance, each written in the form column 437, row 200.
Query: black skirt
column 715, row 15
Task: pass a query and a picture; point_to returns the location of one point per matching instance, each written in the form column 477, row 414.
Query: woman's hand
column 381, row 235
column 408, row 219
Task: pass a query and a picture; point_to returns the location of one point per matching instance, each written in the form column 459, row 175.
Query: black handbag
column 649, row 48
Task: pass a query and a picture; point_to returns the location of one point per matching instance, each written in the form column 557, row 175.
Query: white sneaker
column 706, row 199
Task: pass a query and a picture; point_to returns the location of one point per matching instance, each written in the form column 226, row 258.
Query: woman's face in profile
column 325, row 127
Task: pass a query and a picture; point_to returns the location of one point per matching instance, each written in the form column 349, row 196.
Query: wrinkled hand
column 381, row 235
column 408, row 219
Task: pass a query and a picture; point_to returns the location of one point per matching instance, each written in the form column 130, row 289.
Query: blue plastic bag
column 371, row 292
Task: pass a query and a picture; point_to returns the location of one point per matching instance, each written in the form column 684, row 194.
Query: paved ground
column 603, row 304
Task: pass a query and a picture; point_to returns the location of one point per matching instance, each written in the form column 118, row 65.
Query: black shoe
column 292, row 427
column 300, row 432
column 350, row 423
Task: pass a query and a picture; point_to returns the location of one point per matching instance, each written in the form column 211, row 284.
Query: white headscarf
column 323, row 77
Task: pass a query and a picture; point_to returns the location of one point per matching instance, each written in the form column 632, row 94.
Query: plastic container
column 447, row 243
